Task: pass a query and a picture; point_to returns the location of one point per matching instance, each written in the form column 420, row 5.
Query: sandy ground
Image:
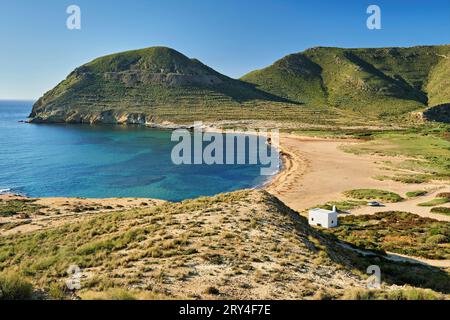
column 410, row 205
column 316, row 171
column 57, row 211
column 402, row 258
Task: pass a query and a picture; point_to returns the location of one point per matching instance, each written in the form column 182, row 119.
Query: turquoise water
column 58, row 160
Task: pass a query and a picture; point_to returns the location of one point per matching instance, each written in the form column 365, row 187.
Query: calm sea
column 58, row 160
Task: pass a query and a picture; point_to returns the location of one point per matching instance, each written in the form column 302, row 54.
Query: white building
column 323, row 218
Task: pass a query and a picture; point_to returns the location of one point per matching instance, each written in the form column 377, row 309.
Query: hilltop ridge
column 128, row 87
column 383, row 80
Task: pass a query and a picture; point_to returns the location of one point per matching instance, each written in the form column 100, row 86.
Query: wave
column 270, row 177
column 5, row 191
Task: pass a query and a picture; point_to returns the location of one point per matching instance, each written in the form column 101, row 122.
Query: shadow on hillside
column 242, row 91
column 346, row 254
column 399, row 87
column 439, row 113
column 392, row 272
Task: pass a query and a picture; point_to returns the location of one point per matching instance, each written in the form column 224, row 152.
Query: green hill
column 134, row 86
column 324, row 86
column 386, row 81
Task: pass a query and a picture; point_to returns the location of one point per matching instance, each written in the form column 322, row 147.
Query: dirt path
column 429, row 262
column 317, row 171
column 410, row 205
column 401, row 257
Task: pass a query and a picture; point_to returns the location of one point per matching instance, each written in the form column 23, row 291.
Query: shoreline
column 301, row 174
column 314, row 170
column 317, row 171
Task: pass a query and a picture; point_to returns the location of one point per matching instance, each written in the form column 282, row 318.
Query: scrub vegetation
column 240, row 245
column 422, row 154
column 398, row 232
column 373, row 194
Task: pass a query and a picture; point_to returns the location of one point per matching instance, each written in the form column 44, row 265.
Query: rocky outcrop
column 105, row 117
column 133, row 78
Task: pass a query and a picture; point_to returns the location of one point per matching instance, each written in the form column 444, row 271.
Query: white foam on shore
column 272, row 176
column 5, row 191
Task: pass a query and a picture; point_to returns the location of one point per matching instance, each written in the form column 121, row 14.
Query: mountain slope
column 245, row 244
column 128, row 86
column 439, row 81
column 321, row 86
column 387, row 81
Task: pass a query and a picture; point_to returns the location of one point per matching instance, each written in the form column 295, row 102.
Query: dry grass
column 240, row 245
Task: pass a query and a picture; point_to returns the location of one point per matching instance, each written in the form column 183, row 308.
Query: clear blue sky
column 232, row 36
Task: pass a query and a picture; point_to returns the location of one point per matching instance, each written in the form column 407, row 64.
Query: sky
column 37, row 50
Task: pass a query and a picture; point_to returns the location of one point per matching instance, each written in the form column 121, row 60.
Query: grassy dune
column 240, row 245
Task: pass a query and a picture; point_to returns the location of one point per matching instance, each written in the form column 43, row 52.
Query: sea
column 104, row 161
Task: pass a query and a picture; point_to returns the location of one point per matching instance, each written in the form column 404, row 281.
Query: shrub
column 56, row 292
column 370, row 194
column 212, row 290
column 417, row 193
column 109, row 294
column 413, row 294
column 437, row 239
column 14, row 287
column 400, row 294
column 434, row 202
column 441, row 210
column 120, row 294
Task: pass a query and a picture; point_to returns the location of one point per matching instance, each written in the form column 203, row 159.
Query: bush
column 437, row 239
column 417, row 193
column 14, row 287
column 400, row 294
column 434, row 202
column 373, row 194
column 120, row 294
column 57, row 292
column 212, row 291
column 441, row 210
column 414, row 294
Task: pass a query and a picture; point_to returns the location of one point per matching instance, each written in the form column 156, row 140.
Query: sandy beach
column 316, row 171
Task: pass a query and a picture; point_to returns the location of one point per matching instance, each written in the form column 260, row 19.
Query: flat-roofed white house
column 323, row 218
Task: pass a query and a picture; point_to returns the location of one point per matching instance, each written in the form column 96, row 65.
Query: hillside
column 322, row 86
column 208, row 248
column 133, row 86
column 385, row 81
